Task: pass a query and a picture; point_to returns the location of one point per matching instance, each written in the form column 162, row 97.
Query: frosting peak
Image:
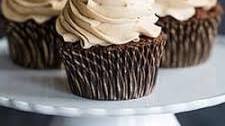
column 182, row 9
column 107, row 22
column 39, row 10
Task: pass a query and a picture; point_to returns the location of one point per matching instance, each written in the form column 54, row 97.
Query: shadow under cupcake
column 191, row 28
column 110, row 56
column 30, row 32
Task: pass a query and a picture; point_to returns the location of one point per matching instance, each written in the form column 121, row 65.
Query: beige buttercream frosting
column 39, row 10
column 181, row 9
column 107, row 22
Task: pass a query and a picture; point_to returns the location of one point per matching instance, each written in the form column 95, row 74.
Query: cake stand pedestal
column 144, row 120
column 177, row 90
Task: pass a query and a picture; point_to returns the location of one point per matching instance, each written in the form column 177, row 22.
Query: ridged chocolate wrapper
column 190, row 42
column 33, row 45
column 116, row 72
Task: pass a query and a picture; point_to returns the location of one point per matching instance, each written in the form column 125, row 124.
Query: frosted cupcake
column 30, row 26
column 110, row 51
column 191, row 26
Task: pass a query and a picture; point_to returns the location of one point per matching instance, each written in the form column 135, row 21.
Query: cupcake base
column 33, row 45
column 190, row 42
column 117, row 72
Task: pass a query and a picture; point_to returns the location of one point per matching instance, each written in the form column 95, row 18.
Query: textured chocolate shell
column 33, row 45
column 190, row 42
column 117, row 72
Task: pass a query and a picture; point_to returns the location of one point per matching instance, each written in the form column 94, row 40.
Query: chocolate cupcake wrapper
column 120, row 73
column 189, row 43
column 33, row 45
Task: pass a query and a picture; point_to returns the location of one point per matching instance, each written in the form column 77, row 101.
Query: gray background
column 214, row 116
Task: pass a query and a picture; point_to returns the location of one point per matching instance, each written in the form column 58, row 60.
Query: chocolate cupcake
column 2, row 23
column 191, row 27
column 30, row 32
column 110, row 51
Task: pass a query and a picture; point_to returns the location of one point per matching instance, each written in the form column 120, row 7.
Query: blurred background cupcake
column 2, row 22
column 110, row 51
column 30, row 26
column 191, row 26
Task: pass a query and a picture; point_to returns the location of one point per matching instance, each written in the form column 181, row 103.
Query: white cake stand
column 177, row 90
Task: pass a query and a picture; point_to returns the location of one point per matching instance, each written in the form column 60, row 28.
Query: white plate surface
column 177, row 90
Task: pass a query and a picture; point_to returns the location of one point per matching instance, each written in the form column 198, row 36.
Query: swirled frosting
column 107, row 22
column 181, row 9
column 39, row 10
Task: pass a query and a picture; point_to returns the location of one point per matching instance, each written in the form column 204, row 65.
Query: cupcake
column 30, row 32
column 109, row 49
column 2, row 23
column 191, row 27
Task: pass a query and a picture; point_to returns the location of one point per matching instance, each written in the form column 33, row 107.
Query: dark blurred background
column 222, row 27
column 214, row 116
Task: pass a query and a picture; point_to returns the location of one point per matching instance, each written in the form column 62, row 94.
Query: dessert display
column 30, row 25
column 191, row 27
column 111, row 49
